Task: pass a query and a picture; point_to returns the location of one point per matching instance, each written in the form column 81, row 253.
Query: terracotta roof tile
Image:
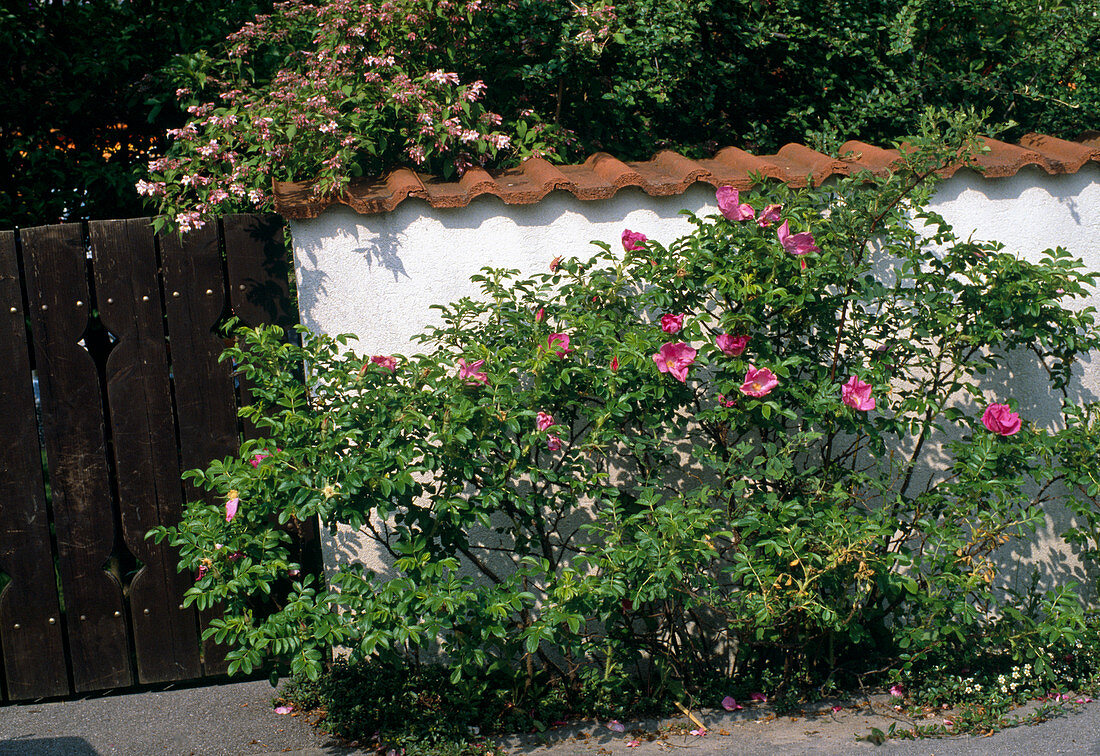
column 1004, row 159
column 861, row 156
column 602, row 175
column 1062, row 156
column 532, row 181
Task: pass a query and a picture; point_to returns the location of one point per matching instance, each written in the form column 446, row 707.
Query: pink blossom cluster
column 731, row 207
column 319, row 114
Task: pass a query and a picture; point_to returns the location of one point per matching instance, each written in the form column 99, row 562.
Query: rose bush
column 799, row 475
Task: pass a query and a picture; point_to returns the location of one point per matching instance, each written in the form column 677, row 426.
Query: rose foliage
column 557, row 484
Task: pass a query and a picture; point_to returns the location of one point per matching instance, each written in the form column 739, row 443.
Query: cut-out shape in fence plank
column 72, row 417
column 33, row 647
column 206, row 404
column 166, row 640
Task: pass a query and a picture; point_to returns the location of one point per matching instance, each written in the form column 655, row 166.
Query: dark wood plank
column 166, row 643
column 72, row 415
column 30, row 616
column 206, row 403
column 259, row 266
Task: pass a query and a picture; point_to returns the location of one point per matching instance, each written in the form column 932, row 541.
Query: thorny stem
column 860, row 247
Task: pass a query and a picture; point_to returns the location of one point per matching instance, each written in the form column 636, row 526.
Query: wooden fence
column 116, row 330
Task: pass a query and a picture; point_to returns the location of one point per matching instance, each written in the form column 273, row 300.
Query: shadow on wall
column 1044, row 556
column 346, row 262
column 1065, row 189
column 379, row 249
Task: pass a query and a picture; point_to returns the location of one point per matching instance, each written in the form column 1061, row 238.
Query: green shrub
column 768, row 440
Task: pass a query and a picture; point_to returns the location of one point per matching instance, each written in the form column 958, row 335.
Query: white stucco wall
column 377, row 275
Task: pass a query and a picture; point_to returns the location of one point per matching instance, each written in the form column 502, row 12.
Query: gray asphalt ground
column 238, row 718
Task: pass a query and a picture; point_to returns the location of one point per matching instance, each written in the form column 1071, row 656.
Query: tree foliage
column 85, row 103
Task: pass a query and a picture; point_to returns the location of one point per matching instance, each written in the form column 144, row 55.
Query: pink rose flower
column 729, row 704
column 675, row 359
column 1000, row 419
column 559, row 344
column 544, row 421
column 732, row 346
column 857, row 394
column 769, row 215
column 231, row 507
column 633, row 240
column 553, row 443
column 385, row 361
column 730, row 205
column 796, row 244
column 470, row 372
column 259, row 457
column 672, row 323
column 759, row 383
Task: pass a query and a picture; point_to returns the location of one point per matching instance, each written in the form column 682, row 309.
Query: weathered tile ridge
column 668, row 173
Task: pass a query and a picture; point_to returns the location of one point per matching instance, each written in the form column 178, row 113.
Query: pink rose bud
column 1000, row 419
column 672, row 323
column 633, row 240
column 732, row 346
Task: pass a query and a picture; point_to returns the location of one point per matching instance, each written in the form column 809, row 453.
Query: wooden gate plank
column 30, row 626
column 206, row 403
column 72, row 416
column 259, row 266
column 166, row 642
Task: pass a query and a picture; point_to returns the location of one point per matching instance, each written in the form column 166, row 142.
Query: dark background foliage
column 87, row 90
column 82, row 99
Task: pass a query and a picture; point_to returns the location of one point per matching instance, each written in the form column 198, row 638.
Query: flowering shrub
column 643, row 458
column 329, row 92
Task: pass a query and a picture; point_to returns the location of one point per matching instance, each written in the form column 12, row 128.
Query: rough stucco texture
column 377, row 275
